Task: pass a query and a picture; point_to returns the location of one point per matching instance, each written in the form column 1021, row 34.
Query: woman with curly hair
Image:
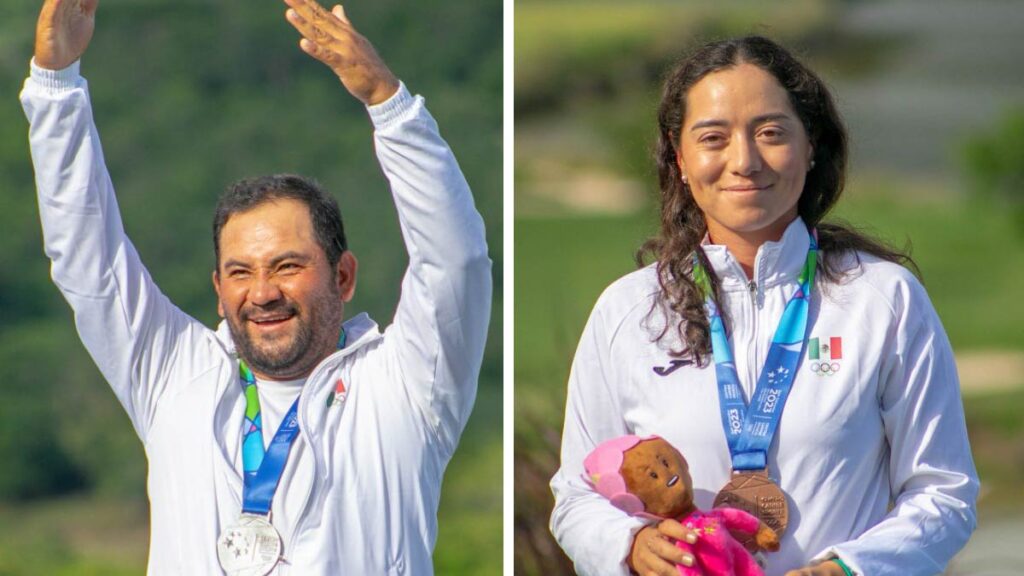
column 797, row 363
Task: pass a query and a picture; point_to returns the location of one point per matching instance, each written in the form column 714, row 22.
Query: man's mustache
column 282, row 309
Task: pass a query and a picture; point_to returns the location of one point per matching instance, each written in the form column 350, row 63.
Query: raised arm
column 437, row 338
column 129, row 328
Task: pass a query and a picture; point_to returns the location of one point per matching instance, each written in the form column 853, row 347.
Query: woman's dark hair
column 682, row 222
column 324, row 214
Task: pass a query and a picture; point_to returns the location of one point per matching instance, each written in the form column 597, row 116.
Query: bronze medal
column 754, row 493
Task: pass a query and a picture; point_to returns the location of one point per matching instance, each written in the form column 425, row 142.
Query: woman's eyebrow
column 771, row 117
column 708, row 124
column 718, row 122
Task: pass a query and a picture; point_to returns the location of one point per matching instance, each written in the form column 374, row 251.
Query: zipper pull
column 752, row 288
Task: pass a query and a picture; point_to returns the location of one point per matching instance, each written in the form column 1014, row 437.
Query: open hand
column 654, row 551
column 330, row 38
column 63, row 32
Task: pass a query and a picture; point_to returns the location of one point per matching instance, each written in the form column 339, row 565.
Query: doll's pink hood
column 603, row 466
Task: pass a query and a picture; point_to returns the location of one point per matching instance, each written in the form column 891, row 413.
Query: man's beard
column 281, row 358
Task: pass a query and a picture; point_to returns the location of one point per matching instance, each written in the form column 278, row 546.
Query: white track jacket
column 376, row 459
column 871, row 451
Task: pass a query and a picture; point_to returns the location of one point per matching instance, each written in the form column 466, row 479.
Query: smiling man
column 288, row 441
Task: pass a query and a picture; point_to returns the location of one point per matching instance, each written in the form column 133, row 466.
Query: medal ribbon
column 263, row 467
column 749, row 433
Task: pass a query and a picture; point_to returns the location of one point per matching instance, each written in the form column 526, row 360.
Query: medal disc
column 250, row 547
column 754, row 493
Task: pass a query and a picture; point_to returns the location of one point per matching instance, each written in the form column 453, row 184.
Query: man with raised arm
column 287, row 441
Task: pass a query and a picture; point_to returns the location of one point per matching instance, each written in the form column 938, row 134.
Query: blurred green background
column 933, row 93
column 189, row 96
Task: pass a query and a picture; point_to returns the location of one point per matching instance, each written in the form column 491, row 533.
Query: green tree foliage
column 994, row 163
column 190, row 96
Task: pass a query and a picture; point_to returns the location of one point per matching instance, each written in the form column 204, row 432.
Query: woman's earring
column 812, row 166
column 685, row 181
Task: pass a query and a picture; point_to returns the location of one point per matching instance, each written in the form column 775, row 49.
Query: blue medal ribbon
column 258, row 491
column 749, row 433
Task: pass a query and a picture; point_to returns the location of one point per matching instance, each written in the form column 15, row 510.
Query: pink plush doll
column 647, row 477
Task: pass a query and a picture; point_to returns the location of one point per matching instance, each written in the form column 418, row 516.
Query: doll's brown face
column 657, row 473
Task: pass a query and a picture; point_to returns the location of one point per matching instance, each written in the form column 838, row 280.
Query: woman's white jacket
column 871, row 450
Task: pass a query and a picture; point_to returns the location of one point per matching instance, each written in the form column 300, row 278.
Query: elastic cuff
column 833, row 554
column 393, row 108
column 846, row 569
column 57, row 80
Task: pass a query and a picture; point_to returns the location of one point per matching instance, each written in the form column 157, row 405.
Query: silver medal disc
column 249, row 547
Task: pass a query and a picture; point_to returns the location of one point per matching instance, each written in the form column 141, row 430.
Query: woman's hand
column 828, row 568
column 654, row 550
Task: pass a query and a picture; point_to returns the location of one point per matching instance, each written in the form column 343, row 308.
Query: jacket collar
column 775, row 263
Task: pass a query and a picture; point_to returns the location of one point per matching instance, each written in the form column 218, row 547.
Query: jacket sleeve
column 129, row 328
column 596, row 535
column 931, row 471
column 440, row 326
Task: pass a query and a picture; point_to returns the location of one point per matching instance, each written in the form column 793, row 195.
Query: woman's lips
column 746, row 188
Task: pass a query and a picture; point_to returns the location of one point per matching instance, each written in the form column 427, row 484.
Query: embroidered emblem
column 339, row 394
column 824, row 357
column 672, row 367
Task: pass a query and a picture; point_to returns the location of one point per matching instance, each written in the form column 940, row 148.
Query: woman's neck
column 744, row 245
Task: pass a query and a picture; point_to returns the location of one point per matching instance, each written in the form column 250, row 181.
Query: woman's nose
column 745, row 158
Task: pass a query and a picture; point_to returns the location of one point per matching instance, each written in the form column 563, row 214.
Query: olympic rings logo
column 824, row 368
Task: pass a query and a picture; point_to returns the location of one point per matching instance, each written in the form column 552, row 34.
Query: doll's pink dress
column 716, row 552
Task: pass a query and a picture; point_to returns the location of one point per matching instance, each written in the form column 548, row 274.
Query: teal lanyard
column 749, row 433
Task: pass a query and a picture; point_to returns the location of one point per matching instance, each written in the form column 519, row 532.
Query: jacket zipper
column 754, row 289
column 318, row 464
column 317, row 456
column 752, row 343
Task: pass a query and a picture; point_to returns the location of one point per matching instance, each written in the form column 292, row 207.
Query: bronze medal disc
column 754, row 493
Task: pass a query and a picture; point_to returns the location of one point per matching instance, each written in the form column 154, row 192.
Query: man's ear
column 348, row 266
column 216, row 288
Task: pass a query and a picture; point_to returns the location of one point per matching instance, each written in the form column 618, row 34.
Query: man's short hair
column 249, row 193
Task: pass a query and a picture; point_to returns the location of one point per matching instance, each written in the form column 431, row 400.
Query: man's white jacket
column 378, row 457
column 871, row 449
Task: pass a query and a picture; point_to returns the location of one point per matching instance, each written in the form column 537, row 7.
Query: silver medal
column 250, row 547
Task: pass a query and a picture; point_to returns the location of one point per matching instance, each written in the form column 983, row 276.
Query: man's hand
column 654, row 551
column 63, row 32
column 330, row 38
column 828, row 568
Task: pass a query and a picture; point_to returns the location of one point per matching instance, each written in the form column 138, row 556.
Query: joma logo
column 672, row 367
